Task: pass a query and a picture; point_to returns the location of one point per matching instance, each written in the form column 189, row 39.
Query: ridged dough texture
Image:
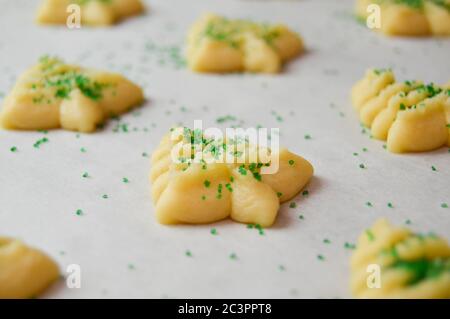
column 410, row 17
column 220, row 45
column 53, row 94
column 410, row 116
column 25, row 272
column 206, row 191
column 412, row 265
column 93, row 12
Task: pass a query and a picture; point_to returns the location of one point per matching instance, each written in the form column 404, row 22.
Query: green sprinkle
column 281, row 268
column 326, row 241
column 207, row 183
column 408, row 222
column 355, row 154
column 228, row 187
column 79, row 212
column 203, row 197
column 370, row 235
column 257, row 176
column 433, row 168
column 279, row 194
column 390, row 205
column 250, row 226
column 301, row 217
column 444, row 205
column 125, row 180
column 364, row 149
column 292, row 205
column 105, row 196
column 188, row 253
column 362, row 166
column 13, row 149
column 144, row 154
column 320, row 257
column 233, row 256
column 213, row 231
column 226, row 118
column 291, row 162
column 242, row 170
column 348, row 245
column 85, row 175
column 369, row 204
column 305, row 193
column 307, row 137
column 219, row 191
column 131, row 267
column 82, row 150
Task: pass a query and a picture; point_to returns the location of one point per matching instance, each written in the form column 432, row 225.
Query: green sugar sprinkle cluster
column 39, row 142
column 64, row 80
column 219, row 149
column 419, row 269
column 231, row 31
column 166, row 55
column 258, row 227
column 422, row 269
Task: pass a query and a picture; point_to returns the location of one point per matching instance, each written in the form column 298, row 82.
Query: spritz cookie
column 53, row 94
column 205, row 191
column 218, row 44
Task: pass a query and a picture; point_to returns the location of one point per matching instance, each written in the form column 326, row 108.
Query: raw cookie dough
column 24, row 271
column 93, row 12
column 217, row 44
column 410, row 17
column 410, row 116
column 411, row 265
column 53, row 94
column 206, row 191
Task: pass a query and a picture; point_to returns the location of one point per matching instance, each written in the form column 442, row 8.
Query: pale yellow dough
column 410, row 18
column 53, row 94
column 93, row 12
column 25, row 272
column 410, row 116
column 220, row 45
column 195, row 193
column 411, row 265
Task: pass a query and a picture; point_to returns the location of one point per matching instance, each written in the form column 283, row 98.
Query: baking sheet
column 121, row 249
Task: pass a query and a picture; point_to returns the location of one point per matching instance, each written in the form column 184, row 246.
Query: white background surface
column 41, row 189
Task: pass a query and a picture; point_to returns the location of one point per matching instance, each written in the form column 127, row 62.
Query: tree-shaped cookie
column 393, row 262
column 24, row 271
column 92, row 13
column 217, row 44
column 227, row 180
column 53, row 94
column 409, row 17
column 410, row 116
